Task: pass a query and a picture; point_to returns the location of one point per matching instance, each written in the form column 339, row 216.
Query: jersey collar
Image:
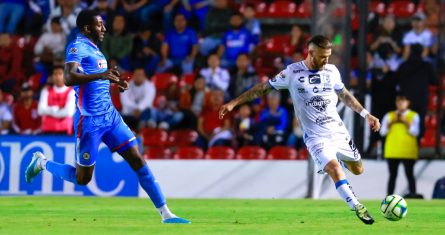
column 80, row 36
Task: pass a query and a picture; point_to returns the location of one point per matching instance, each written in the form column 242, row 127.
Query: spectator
column 273, row 122
column 26, row 118
column 5, row 116
column 243, row 77
column 146, row 50
column 133, row 11
column 244, row 126
column 50, row 47
column 138, row 98
column 401, row 127
column 38, row 15
column 215, row 76
column 12, row 12
column 388, row 34
column 217, row 22
column 235, row 42
column 418, row 35
column 212, row 130
column 194, row 99
column 167, row 114
column 57, row 105
column 295, row 139
column 297, row 41
column 253, row 25
column 67, row 11
column 117, row 45
column 11, row 62
column 179, row 48
column 413, row 78
column 195, row 9
column 106, row 11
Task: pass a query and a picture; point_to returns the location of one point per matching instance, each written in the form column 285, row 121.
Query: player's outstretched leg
column 39, row 163
column 337, row 174
column 151, row 186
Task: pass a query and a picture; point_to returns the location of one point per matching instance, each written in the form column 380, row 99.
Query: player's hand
column 123, row 85
column 225, row 109
column 112, row 74
column 373, row 122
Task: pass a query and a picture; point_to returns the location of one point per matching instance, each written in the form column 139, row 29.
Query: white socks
column 345, row 191
column 165, row 212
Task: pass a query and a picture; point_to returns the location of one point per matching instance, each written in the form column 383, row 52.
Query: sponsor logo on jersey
column 315, row 89
column 314, row 79
column 301, row 90
column 301, row 79
column 324, row 120
column 73, row 50
column 327, row 88
column 298, row 71
column 319, row 103
column 353, row 148
column 86, row 156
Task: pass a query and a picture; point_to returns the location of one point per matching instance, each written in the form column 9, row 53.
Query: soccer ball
column 394, row 207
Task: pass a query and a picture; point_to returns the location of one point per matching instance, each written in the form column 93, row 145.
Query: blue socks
column 151, row 186
column 63, row 171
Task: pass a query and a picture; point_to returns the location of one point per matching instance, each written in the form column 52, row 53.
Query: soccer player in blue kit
column 96, row 120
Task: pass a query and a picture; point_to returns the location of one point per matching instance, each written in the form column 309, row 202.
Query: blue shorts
column 90, row 131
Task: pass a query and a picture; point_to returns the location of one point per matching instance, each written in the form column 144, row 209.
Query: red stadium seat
column 157, row 153
column 282, row 9
column 188, row 152
column 303, row 154
column 304, row 10
column 401, row 8
column 220, row 152
column 377, row 7
column 188, row 79
column 179, row 138
column 260, row 8
column 163, row 80
column 277, row 44
column 154, row 137
column 429, row 138
column 431, row 121
column 251, row 153
column 282, row 153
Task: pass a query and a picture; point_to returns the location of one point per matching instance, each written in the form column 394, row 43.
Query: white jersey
column 314, row 98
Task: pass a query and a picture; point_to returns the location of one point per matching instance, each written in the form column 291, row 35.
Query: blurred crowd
column 185, row 58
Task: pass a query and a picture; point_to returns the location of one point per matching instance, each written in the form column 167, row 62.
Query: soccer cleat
column 363, row 214
column 176, row 220
column 34, row 167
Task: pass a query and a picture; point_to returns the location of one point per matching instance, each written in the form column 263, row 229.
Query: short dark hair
column 86, row 17
column 320, row 41
column 55, row 20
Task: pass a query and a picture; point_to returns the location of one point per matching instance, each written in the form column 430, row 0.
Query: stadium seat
column 220, row 152
column 260, row 8
column 429, row 138
column 180, row 138
column 282, row 153
column 251, row 153
column 154, row 137
column 304, row 10
column 157, row 153
column 188, row 152
column 401, row 8
column 162, row 80
column 377, row 7
column 34, row 81
column 282, row 9
column 303, row 154
column 188, row 79
column 115, row 96
column 277, row 44
column 431, row 121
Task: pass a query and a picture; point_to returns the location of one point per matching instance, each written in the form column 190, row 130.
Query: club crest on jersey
column 318, row 103
column 86, row 156
column 102, row 64
column 73, row 50
column 314, row 79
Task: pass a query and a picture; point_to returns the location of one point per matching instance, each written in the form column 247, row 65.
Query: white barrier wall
column 278, row 179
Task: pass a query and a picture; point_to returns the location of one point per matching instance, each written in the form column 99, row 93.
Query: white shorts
column 336, row 146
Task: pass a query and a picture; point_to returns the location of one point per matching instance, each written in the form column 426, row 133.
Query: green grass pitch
column 93, row 215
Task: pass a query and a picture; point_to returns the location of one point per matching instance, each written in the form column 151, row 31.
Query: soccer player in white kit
column 315, row 87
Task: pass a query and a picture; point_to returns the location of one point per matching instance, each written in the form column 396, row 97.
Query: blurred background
column 185, row 58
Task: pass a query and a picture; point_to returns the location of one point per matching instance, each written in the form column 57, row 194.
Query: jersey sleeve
column 337, row 82
column 74, row 53
column 281, row 80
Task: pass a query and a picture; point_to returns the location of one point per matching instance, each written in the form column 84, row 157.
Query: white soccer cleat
column 34, row 167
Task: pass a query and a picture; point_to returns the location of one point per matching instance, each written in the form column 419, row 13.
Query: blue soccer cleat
column 176, row 220
column 34, row 167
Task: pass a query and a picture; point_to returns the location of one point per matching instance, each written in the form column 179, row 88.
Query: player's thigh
column 133, row 157
column 88, row 139
column 321, row 152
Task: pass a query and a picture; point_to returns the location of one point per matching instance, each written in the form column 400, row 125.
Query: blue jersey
column 92, row 98
column 237, row 42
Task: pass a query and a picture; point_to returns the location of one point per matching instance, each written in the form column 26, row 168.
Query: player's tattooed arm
column 72, row 77
column 253, row 93
column 346, row 97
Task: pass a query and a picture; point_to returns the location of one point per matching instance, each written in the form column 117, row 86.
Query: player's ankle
column 165, row 212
